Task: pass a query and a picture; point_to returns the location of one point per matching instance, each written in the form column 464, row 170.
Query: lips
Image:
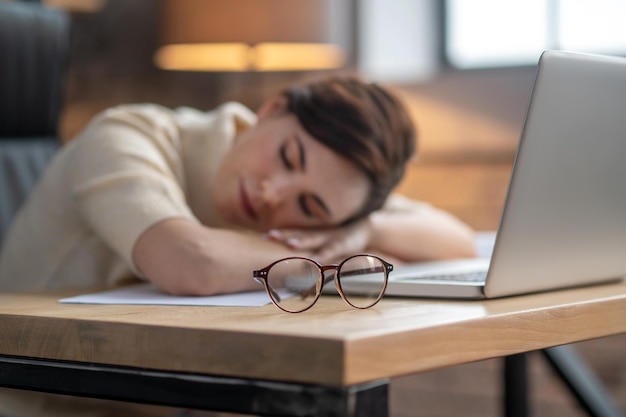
column 245, row 203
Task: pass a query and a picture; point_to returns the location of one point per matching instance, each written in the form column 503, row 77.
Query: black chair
column 34, row 51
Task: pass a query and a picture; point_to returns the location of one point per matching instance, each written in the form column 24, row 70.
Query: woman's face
column 278, row 176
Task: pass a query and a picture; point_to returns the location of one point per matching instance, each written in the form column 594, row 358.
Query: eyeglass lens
column 296, row 283
column 366, row 269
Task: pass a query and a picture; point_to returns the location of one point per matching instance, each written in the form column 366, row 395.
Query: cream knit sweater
column 132, row 167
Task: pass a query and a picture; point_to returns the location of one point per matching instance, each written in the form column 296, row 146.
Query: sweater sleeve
column 126, row 175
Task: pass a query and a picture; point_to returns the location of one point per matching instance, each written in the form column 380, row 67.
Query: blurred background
column 464, row 68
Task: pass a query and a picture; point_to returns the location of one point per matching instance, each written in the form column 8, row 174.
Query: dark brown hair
column 362, row 122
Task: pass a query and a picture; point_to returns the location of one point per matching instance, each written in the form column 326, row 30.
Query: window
column 490, row 33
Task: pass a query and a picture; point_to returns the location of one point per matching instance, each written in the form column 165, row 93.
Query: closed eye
column 292, row 154
column 284, row 158
column 304, row 206
column 313, row 207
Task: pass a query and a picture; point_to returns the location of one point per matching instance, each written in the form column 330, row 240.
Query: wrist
column 369, row 224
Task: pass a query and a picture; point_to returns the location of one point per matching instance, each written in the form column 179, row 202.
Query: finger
column 307, row 242
column 333, row 252
column 299, row 239
column 275, row 235
column 289, row 239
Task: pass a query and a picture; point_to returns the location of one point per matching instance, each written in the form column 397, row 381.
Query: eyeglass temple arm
column 362, row 271
column 258, row 277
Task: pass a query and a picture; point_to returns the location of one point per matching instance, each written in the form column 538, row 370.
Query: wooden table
column 329, row 361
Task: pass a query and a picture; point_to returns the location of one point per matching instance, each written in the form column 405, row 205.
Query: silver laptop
column 564, row 219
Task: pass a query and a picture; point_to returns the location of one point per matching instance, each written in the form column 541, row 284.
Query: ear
column 272, row 107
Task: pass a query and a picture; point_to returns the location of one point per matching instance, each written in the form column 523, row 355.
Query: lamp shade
column 241, row 35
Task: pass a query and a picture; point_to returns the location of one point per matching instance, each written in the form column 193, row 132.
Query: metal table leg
column 515, row 386
column 195, row 391
column 581, row 381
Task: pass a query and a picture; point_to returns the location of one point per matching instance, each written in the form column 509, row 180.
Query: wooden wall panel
column 474, row 192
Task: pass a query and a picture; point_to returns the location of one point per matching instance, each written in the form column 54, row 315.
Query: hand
column 326, row 245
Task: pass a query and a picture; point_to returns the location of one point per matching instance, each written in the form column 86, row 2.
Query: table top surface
column 331, row 344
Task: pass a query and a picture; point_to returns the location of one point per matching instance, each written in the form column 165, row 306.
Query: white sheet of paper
column 150, row 295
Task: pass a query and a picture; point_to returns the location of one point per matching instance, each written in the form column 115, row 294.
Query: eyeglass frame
column 261, row 276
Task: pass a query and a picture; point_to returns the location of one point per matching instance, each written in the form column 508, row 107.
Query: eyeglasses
column 294, row 284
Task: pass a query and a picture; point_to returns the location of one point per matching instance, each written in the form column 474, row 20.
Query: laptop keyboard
column 473, row 276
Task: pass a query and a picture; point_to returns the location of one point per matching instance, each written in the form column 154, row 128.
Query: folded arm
column 415, row 231
column 404, row 230
column 130, row 195
column 183, row 257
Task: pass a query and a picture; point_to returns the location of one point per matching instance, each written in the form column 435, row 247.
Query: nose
column 275, row 190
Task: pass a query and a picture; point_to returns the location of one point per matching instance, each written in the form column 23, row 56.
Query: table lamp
column 247, row 35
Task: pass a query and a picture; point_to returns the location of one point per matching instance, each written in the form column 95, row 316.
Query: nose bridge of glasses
column 328, row 272
column 326, row 268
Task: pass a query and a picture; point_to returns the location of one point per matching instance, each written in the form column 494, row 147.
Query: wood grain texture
column 330, row 344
